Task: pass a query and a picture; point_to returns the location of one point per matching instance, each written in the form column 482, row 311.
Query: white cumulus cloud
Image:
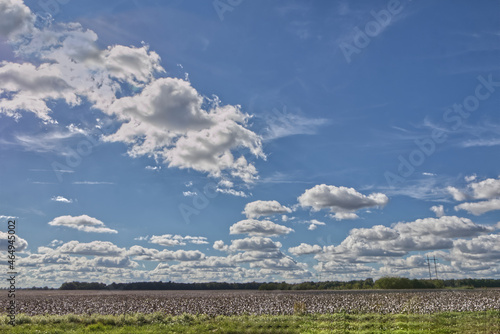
column 15, row 18
column 96, row 248
column 161, row 117
column 478, row 208
column 176, row 240
column 167, row 121
column 341, row 201
column 438, row 210
column 255, row 244
column 19, row 243
column 257, row 209
column 259, row 228
column 304, row 249
column 82, row 223
column 61, row 199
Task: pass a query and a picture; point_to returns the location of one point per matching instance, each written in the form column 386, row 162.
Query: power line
column 429, row 264
column 435, row 268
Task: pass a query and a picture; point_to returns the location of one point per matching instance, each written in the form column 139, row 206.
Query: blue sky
column 250, row 140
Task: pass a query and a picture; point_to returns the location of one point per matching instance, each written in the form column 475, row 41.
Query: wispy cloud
column 92, row 182
column 280, row 177
column 428, row 188
column 282, row 124
column 292, row 8
column 55, row 140
column 233, row 192
column 50, row 170
column 481, row 142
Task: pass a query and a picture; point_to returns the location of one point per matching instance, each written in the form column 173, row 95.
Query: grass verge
column 448, row 322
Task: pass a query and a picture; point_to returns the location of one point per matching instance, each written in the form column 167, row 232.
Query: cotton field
column 253, row 302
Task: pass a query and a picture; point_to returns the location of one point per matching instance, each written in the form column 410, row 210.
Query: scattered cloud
column 344, row 215
column 264, row 208
column 255, row 244
column 486, row 189
column 95, row 248
column 19, row 243
column 478, row 208
column 92, row 183
column 481, row 248
column 219, row 245
column 149, row 254
column 54, row 141
column 168, row 120
column 61, row 199
column 313, row 224
column 284, row 124
column 445, row 227
column 438, row 210
column 304, row 249
column 470, row 178
column 50, row 170
column 366, row 245
column 55, row 243
column 179, row 131
column 176, row 240
column 341, row 201
column 162, row 117
column 259, row 228
column 481, row 142
column 457, row 194
column 82, row 223
column 232, row 192
column 423, row 188
column 114, row 262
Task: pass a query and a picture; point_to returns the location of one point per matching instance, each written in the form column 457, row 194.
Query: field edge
column 441, row 322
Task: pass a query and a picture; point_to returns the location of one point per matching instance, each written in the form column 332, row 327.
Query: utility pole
column 435, row 268
column 429, row 265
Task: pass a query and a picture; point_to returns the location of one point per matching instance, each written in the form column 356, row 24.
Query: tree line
column 369, row 283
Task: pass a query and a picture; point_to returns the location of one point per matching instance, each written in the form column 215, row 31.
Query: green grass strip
column 446, row 322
